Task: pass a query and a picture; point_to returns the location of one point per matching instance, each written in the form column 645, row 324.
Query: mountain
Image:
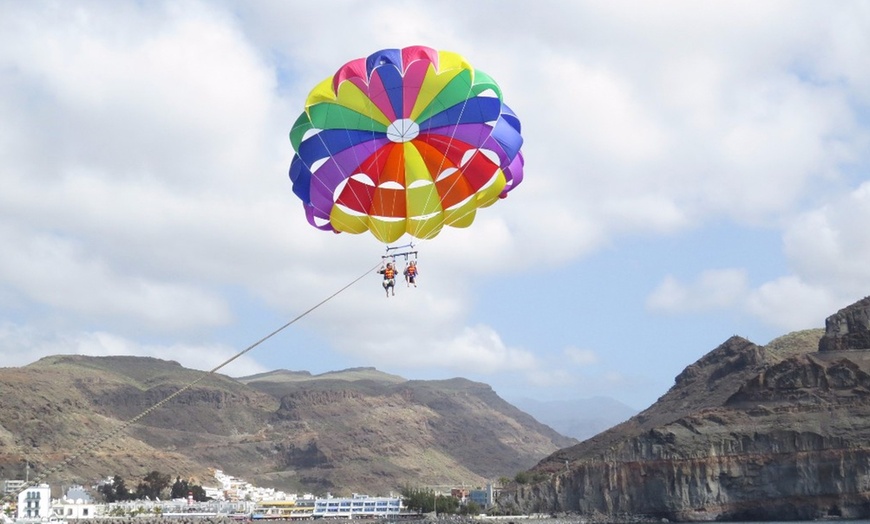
column 357, row 430
column 578, row 418
column 748, row 432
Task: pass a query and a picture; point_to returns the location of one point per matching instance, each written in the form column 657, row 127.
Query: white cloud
column 791, row 304
column 482, row 349
column 581, row 357
column 173, row 92
column 25, row 344
column 828, row 249
column 604, row 113
column 712, row 289
column 553, row 378
column 56, row 272
column 830, row 246
column 408, row 344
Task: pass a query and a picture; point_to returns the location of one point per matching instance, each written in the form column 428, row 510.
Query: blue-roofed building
column 482, row 497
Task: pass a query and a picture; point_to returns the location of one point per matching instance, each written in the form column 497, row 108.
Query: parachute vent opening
column 349, row 211
column 419, row 183
column 338, row 189
column 364, row 178
column 490, row 155
column 403, row 130
column 461, row 202
column 310, row 133
column 383, row 218
column 446, row 173
column 321, row 222
column 492, row 180
column 391, row 184
column 427, row 216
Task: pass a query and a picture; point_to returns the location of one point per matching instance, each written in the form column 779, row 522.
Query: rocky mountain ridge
column 748, row 432
column 358, row 430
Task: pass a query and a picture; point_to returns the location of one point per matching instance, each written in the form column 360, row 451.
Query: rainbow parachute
column 404, row 141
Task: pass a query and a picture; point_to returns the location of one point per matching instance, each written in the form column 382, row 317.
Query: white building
column 213, row 493
column 357, row 506
column 13, row 486
column 235, row 489
column 76, row 504
column 35, row 502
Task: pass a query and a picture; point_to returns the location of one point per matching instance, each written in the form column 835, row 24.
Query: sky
column 693, row 171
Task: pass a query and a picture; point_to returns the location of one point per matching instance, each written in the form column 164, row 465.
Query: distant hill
column 356, row 430
column 579, row 418
column 747, row 433
column 350, row 375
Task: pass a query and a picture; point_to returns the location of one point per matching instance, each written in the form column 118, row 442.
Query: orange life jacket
column 389, row 273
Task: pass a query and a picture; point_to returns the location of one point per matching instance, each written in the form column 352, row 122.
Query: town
column 230, row 497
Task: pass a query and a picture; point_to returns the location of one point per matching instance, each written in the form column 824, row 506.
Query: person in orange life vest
column 411, row 273
column 389, row 273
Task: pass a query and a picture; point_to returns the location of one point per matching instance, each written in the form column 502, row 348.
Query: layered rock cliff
column 849, row 328
column 748, row 432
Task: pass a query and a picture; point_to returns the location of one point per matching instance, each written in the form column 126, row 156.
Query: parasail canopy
column 404, row 141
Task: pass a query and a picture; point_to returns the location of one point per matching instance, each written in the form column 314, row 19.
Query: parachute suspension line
column 92, row 445
column 371, row 108
column 357, row 160
column 291, row 322
column 325, row 147
column 331, row 153
column 444, row 157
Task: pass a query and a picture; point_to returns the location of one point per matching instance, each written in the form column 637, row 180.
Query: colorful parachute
column 404, row 141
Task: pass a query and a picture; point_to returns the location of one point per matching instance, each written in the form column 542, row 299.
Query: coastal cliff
column 776, row 432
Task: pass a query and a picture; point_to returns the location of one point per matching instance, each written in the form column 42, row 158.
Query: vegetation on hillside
column 153, row 486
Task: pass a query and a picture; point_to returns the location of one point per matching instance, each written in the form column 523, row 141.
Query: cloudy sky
column 694, row 170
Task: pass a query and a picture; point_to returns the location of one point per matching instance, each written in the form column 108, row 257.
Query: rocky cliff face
column 746, row 433
column 849, row 328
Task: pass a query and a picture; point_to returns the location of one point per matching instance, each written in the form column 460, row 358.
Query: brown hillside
column 356, row 430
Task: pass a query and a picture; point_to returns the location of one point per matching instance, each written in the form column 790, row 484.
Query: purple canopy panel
column 514, row 174
column 337, row 168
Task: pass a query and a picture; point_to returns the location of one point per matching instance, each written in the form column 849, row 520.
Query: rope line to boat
column 94, row 444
